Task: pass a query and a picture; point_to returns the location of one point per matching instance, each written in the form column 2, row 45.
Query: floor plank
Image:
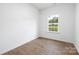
column 44, row 46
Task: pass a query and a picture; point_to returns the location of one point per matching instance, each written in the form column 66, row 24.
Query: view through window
column 53, row 23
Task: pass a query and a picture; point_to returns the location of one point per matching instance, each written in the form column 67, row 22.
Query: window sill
column 54, row 32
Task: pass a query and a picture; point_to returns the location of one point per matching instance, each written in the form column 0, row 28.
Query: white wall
column 18, row 25
column 66, row 22
column 77, row 28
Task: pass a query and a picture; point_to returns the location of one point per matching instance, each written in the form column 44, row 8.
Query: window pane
column 53, row 20
column 53, row 23
column 53, row 27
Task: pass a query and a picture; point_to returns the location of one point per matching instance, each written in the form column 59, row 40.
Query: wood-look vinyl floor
column 44, row 46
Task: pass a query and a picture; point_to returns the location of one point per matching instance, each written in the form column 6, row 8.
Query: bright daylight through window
column 53, row 23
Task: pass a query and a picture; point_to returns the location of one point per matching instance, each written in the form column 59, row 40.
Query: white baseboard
column 20, row 44
column 77, row 46
column 58, row 39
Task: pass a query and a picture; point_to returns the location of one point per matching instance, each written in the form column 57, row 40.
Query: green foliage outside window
column 53, row 27
column 53, row 20
column 53, row 24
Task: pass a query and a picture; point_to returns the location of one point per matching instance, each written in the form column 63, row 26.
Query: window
column 53, row 23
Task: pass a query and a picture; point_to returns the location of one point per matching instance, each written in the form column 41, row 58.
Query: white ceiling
column 42, row 6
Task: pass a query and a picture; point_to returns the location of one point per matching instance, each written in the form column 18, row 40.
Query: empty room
column 39, row 29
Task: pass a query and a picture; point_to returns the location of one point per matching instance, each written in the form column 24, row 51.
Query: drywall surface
column 18, row 25
column 77, row 28
column 66, row 22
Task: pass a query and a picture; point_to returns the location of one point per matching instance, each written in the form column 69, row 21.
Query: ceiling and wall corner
column 43, row 6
